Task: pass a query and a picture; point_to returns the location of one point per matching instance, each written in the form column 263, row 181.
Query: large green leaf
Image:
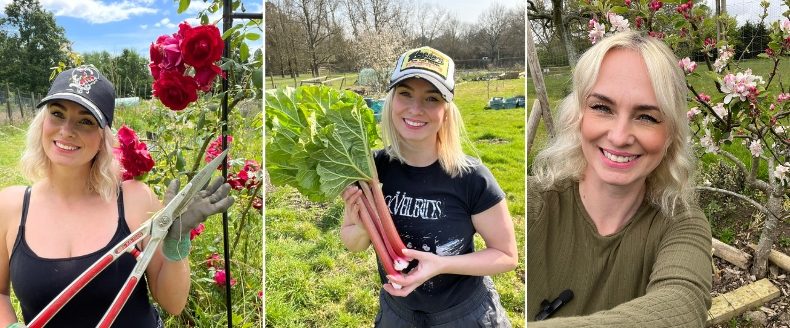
column 318, row 140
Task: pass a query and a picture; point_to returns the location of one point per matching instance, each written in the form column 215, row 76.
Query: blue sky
column 112, row 25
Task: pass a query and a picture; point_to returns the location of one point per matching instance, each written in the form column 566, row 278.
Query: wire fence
column 16, row 105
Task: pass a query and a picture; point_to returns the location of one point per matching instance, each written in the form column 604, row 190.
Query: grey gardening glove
column 212, row 199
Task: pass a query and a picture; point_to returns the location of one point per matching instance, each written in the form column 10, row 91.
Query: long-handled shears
column 156, row 227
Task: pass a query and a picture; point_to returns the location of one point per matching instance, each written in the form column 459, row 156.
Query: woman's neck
column 419, row 156
column 68, row 183
column 610, row 207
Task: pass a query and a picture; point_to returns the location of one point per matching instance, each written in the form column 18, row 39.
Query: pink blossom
column 707, row 142
column 756, row 148
column 782, row 97
column 597, row 31
column 685, row 9
column 628, row 3
column 657, row 35
column 687, row 65
column 639, row 21
column 742, row 85
column 219, row 278
column 197, row 231
column 725, row 53
column 703, row 97
column 720, row 110
column 709, row 44
column 786, row 27
column 619, row 24
column 693, row 112
column 655, row 5
column 214, row 261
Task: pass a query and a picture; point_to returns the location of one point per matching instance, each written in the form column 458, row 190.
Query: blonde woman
column 78, row 208
column 614, row 235
column 422, row 165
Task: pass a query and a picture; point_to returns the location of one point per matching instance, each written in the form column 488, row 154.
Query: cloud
column 165, row 22
column 144, row 26
column 97, row 11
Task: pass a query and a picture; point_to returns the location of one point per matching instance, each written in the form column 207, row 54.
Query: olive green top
column 654, row 272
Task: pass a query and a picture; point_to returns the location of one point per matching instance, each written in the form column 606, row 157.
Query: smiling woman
column 614, row 235
column 77, row 209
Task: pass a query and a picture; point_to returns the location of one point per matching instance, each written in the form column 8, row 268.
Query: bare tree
column 316, row 16
column 492, row 29
column 430, row 22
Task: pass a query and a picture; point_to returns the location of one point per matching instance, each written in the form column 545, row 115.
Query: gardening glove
column 212, row 199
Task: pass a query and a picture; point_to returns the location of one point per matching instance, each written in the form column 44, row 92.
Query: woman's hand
column 430, row 265
column 352, row 233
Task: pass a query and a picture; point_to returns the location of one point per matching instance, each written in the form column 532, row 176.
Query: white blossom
column 687, row 65
column 780, row 172
column 597, row 31
column 740, row 85
column 756, row 148
column 707, row 142
column 720, row 110
column 619, row 24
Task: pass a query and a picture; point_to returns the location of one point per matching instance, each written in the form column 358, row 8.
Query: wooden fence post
column 540, row 86
column 19, row 103
column 8, row 103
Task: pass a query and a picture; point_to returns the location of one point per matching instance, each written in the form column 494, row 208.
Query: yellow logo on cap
column 427, row 59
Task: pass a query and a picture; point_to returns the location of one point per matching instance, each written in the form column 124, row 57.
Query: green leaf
column 183, row 5
column 230, row 31
column 252, row 36
column 203, row 19
column 619, row 10
column 181, row 162
column 257, row 78
column 244, row 51
column 318, row 140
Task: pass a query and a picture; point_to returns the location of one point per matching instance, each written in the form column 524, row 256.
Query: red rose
column 236, row 182
column 215, row 148
column 197, row 231
column 165, row 55
column 214, row 261
column 205, row 75
column 132, row 154
column 257, row 203
column 201, row 45
column 175, row 90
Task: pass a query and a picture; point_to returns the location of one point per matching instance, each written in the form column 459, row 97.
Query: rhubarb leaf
column 318, row 140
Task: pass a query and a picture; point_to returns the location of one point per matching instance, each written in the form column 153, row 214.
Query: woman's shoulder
column 138, row 199
column 11, row 203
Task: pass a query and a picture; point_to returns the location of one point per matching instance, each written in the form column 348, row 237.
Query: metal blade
column 197, row 183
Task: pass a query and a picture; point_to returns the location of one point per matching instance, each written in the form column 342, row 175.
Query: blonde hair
column 450, row 138
column 104, row 177
column 671, row 184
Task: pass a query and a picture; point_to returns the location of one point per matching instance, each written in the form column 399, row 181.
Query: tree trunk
column 562, row 31
column 537, row 79
column 767, row 236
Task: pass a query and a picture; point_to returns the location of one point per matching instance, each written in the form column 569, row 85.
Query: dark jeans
column 482, row 309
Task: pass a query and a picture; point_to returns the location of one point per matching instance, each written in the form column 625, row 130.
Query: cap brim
column 447, row 94
column 84, row 102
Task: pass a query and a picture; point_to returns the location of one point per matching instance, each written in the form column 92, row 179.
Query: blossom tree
column 744, row 112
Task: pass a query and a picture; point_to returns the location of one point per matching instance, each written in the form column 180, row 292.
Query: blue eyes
column 59, row 115
column 604, row 109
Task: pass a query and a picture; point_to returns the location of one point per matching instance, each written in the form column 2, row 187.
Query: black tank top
column 36, row 281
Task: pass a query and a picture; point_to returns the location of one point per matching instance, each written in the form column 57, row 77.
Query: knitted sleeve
column 678, row 294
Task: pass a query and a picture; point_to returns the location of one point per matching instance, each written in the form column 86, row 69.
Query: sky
column 113, row 25
column 750, row 10
column 468, row 10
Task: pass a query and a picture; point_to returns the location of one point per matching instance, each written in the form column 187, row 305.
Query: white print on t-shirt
column 403, row 205
column 452, row 247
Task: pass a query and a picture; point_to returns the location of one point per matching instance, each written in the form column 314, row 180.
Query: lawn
column 313, row 281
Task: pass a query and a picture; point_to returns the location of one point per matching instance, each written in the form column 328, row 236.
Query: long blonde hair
column 104, row 176
column 450, row 138
column 671, row 184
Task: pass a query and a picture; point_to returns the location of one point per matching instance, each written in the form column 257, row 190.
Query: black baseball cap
column 86, row 86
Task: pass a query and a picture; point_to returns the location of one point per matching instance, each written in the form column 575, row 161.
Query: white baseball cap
column 427, row 63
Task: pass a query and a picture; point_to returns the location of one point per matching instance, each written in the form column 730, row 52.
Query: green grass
column 13, row 140
column 313, row 281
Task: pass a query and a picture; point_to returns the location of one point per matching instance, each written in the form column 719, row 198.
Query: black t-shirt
column 433, row 213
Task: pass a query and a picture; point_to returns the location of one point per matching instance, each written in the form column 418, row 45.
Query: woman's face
column 71, row 135
column 418, row 111
column 624, row 134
